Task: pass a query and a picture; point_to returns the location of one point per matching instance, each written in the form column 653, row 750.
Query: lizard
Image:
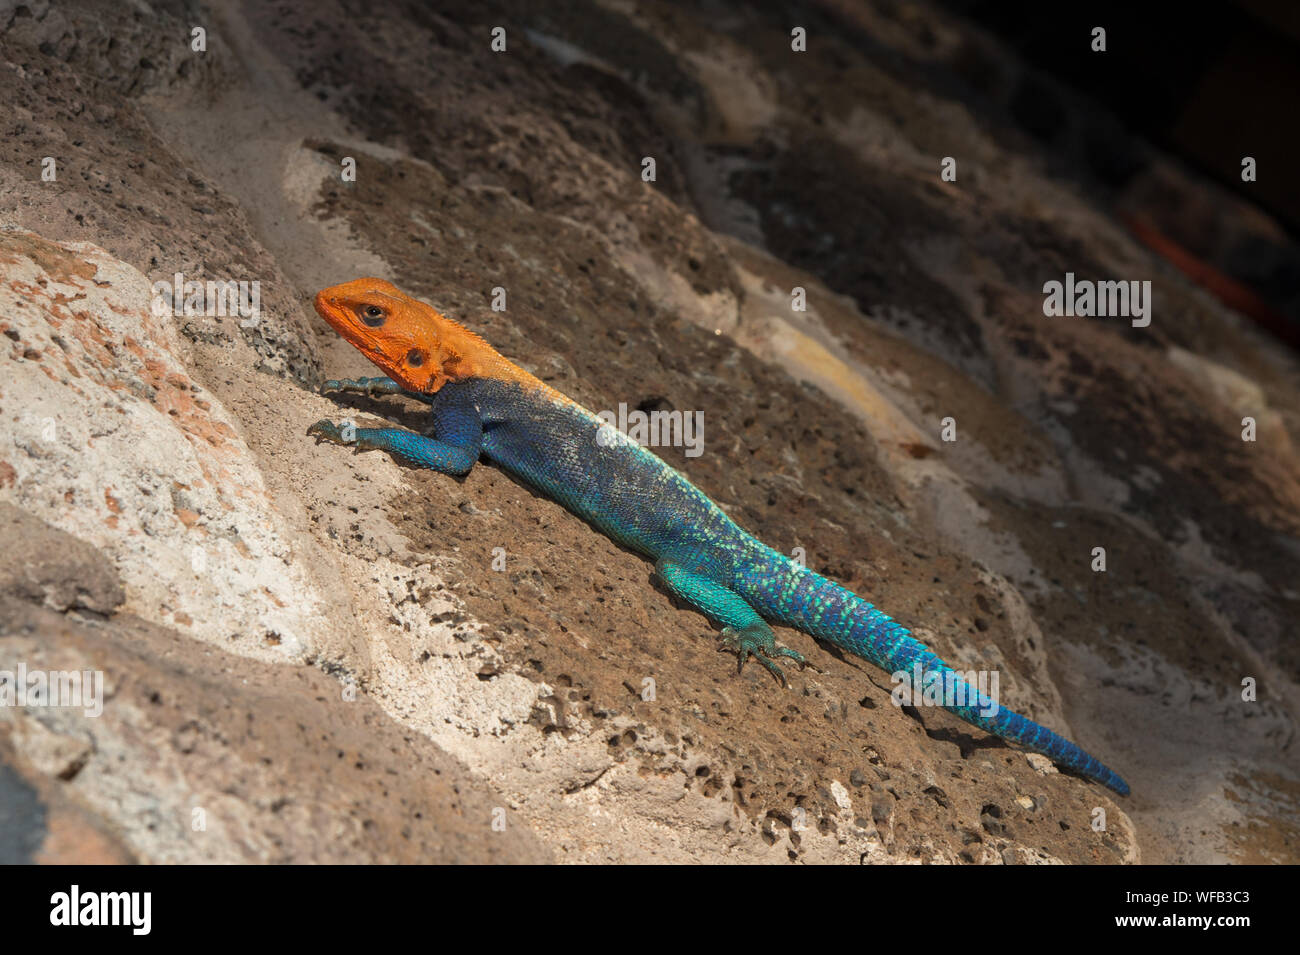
column 481, row 404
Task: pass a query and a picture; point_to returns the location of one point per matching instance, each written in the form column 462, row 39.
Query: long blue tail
column 902, row 652
column 824, row 609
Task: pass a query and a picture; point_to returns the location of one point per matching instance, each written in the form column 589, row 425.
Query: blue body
column 636, row 499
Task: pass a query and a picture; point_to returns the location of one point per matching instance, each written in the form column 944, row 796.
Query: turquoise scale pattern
column 809, row 602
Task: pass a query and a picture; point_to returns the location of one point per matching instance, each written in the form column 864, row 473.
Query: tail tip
column 1112, row 780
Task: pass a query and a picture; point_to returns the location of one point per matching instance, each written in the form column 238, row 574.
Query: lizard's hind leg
column 743, row 630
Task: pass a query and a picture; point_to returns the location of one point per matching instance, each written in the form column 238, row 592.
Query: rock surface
column 298, row 640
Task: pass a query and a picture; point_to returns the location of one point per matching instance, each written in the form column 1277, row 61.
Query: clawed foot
column 760, row 643
column 347, row 385
column 326, row 430
column 360, row 386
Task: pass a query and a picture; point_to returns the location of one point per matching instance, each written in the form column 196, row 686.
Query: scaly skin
column 483, row 404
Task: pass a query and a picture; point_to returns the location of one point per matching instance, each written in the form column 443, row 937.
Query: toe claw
column 793, row 655
column 326, row 430
column 762, row 646
column 776, row 671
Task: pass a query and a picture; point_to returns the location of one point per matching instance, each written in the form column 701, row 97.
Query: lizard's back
column 571, row 455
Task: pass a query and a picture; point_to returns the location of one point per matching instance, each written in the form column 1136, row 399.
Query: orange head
column 417, row 346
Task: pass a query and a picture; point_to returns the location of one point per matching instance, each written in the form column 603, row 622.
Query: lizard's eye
column 415, row 358
column 372, row 315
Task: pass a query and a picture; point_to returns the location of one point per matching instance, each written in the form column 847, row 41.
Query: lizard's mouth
column 342, row 320
column 327, row 307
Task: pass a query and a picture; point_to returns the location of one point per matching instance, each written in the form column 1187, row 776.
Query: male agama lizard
column 483, row 404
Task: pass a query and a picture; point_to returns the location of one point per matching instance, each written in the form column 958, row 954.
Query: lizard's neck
column 469, row 356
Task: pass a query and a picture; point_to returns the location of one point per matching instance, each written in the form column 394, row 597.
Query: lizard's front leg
column 413, row 448
column 364, row 386
column 370, row 387
column 454, row 451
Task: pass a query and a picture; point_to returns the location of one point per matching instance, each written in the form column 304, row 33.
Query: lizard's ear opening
column 419, row 369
